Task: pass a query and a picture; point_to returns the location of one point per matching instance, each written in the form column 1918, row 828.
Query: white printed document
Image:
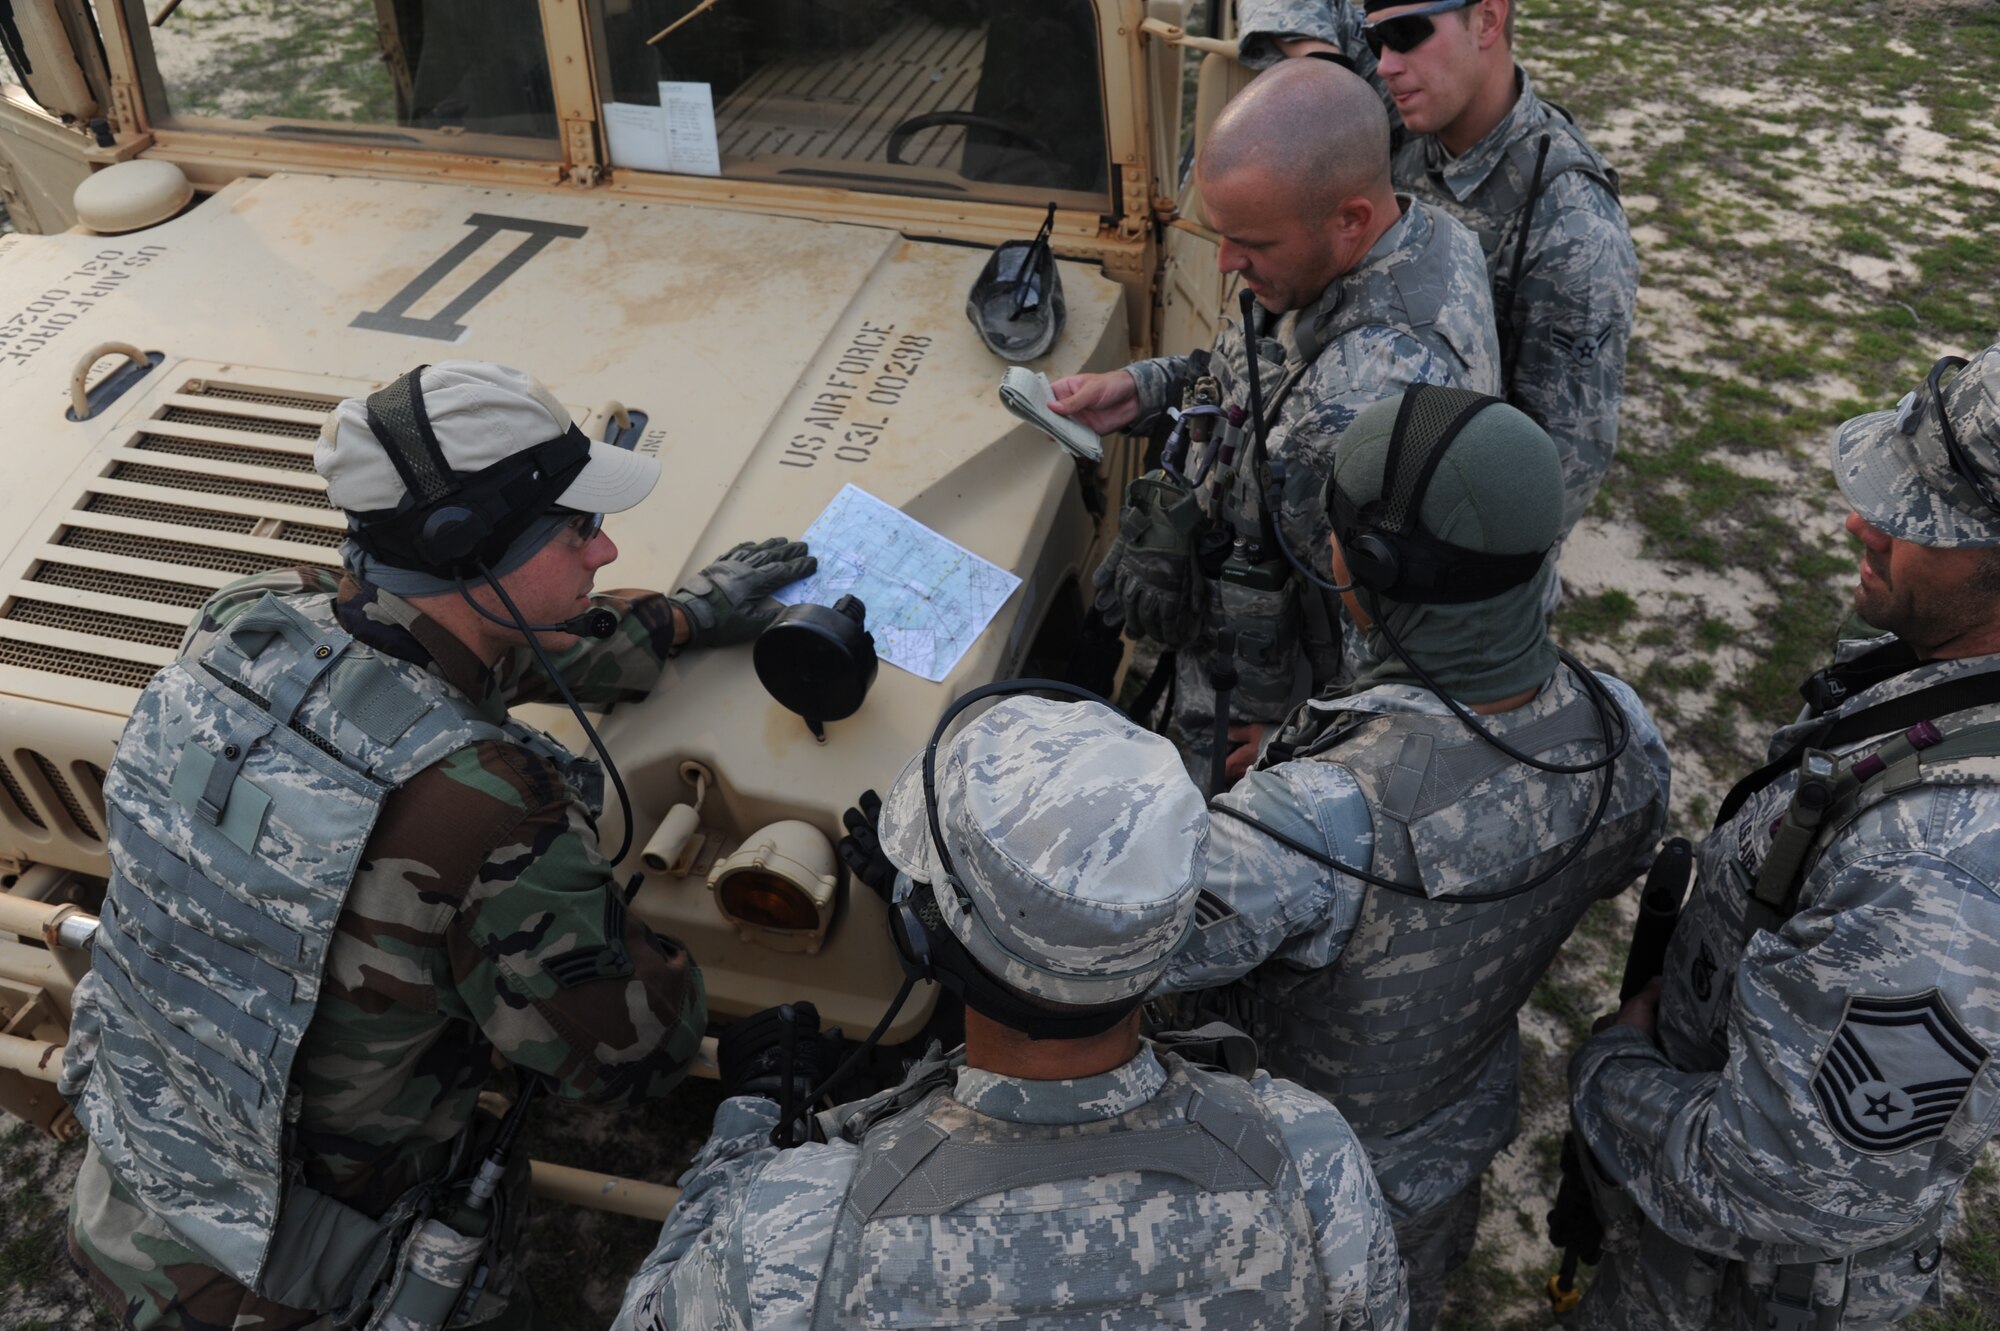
column 678, row 135
column 928, row 598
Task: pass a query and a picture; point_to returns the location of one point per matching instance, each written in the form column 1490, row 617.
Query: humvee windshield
column 994, row 100
column 463, row 75
column 991, row 99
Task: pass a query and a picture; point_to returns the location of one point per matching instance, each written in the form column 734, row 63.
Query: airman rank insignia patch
column 1897, row 1070
column 1582, row 347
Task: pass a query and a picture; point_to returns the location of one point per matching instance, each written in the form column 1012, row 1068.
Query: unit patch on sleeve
column 1897, row 1070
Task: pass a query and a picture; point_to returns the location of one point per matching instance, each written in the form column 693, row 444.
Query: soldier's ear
column 1352, row 220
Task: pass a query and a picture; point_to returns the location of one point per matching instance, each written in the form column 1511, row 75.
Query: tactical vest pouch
column 1266, row 620
column 431, row 1273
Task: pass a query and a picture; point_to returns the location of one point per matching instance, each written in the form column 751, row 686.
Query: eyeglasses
column 1406, row 32
column 583, row 528
column 1916, row 404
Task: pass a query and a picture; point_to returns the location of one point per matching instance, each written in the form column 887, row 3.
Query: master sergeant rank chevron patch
column 1897, row 1070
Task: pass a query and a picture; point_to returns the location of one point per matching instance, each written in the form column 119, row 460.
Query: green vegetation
column 287, row 59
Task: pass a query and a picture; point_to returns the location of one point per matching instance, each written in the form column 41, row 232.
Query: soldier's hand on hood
column 726, row 602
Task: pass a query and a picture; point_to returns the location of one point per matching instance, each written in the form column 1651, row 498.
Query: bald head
column 1314, row 129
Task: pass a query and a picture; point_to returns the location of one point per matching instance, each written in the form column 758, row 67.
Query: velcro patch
column 1581, row 347
column 1896, row 1072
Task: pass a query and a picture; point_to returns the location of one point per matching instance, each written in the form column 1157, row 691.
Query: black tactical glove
column 861, row 849
column 751, row 1054
column 1156, row 581
column 725, row 602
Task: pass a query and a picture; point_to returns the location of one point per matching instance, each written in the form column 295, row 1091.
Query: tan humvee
column 775, row 332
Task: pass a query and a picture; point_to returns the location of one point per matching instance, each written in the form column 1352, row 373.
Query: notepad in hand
column 1026, row 393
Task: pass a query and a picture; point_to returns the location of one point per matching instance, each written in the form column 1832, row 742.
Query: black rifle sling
column 1927, row 704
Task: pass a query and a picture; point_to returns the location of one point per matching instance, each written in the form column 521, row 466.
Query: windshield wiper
column 698, row 10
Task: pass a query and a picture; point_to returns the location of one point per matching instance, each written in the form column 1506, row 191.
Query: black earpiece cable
column 562, row 687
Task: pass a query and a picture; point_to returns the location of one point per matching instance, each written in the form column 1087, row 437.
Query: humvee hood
column 766, row 361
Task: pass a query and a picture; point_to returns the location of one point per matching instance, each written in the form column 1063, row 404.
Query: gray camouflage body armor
column 1206, row 1158
column 240, row 799
column 1405, row 1022
column 1274, row 615
column 1500, row 208
column 1881, row 1284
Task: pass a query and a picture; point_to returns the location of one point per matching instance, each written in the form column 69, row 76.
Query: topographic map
column 928, row 598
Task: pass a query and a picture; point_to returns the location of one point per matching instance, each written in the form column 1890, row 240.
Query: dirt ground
column 1815, row 196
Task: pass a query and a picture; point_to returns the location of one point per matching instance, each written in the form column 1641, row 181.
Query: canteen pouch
column 431, row 1272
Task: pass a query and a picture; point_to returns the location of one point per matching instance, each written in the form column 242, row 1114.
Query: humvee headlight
column 778, row 887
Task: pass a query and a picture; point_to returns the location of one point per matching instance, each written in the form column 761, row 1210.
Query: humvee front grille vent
column 77, row 665
column 262, row 397
column 148, row 510
column 81, row 821
column 238, row 453
column 97, row 623
column 22, row 804
column 308, row 535
column 222, row 420
column 199, row 472
column 167, row 477
column 154, row 550
column 157, row 590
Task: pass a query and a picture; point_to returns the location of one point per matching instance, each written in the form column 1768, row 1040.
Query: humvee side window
column 995, row 100
column 462, row 75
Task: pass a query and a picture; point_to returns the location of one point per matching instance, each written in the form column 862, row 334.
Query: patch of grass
column 1972, row 1255
column 1596, row 617
column 1713, row 633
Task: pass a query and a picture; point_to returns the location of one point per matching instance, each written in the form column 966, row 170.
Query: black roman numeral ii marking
column 394, row 317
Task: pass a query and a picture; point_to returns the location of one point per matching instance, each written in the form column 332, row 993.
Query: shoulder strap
column 1898, row 766
column 1926, row 704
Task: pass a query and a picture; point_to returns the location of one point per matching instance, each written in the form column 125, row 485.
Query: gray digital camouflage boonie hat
column 1079, row 842
column 1895, row 468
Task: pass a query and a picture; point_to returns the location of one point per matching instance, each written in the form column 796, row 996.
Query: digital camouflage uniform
column 1403, row 1013
column 1786, row 1148
column 1571, row 312
column 749, row 1243
column 480, row 891
column 1819, row 1087
column 1415, row 310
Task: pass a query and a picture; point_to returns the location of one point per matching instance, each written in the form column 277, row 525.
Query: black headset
column 929, row 950
column 448, row 524
column 926, row 947
column 1386, row 548
column 1388, row 554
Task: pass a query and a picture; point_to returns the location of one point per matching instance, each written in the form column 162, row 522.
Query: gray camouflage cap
column 1079, row 843
column 1894, row 468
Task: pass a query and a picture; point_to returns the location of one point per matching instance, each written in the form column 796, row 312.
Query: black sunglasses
column 585, row 526
column 1406, row 32
column 1910, row 414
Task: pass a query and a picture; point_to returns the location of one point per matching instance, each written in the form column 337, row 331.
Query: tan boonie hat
column 1896, row 468
column 480, row 413
column 1079, row 843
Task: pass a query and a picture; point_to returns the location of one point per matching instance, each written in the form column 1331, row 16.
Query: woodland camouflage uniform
column 483, row 920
